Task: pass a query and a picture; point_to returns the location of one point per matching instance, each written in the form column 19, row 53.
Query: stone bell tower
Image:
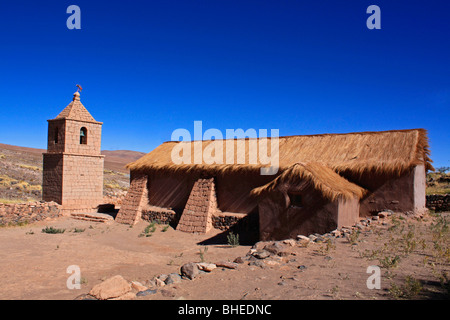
column 73, row 165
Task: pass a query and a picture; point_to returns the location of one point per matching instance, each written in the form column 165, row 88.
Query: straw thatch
column 386, row 151
column 322, row 178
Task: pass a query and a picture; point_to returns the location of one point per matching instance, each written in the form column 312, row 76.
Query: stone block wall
column 72, row 137
column 438, row 202
column 13, row 214
column 200, row 207
column 52, row 177
column 82, row 187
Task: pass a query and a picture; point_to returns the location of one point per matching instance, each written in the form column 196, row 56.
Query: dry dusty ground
column 413, row 255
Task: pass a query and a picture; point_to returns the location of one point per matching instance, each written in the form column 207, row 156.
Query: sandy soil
column 33, row 264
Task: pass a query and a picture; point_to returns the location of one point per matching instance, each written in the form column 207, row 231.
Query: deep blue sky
column 150, row 67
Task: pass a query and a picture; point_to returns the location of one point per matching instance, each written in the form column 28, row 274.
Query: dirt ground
column 413, row 254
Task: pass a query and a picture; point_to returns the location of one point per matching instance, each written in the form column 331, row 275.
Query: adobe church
column 73, row 165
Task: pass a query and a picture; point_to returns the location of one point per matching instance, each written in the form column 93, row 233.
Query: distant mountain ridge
column 115, row 160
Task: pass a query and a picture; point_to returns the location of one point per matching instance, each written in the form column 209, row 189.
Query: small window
column 55, row 137
column 83, row 135
column 295, row 200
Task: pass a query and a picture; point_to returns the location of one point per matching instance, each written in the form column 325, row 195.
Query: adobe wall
column 397, row 193
column 200, row 207
column 13, row 214
column 135, row 201
column 348, row 212
column 171, row 190
column 278, row 221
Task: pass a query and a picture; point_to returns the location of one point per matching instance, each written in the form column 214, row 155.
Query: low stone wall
column 13, row 214
column 438, row 202
column 225, row 222
column 167, row 216
column 164, row 216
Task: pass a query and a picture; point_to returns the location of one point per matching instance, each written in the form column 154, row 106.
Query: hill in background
column 21, row 173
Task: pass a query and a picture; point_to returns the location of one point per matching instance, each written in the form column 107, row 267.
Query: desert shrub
column 52, row 230
column 408, row 290
column 233, row 239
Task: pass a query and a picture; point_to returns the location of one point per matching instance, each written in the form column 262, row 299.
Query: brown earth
column 413, row 254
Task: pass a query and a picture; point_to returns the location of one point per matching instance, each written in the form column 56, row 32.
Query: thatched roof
column 322, row 178
column 384, row 151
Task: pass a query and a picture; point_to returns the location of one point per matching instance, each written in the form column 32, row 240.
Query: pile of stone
column 438, row 202
column 117, row 288
column 13, row 214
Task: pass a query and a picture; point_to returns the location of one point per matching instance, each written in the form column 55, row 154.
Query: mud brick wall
column 200, row 207
column 131, row 209
column 438, row 202
column 12, row 214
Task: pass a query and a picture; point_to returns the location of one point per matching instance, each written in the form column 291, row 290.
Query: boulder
column 226, row 264
column 208, row 267
column 277, row 248
column 138, row 286
column 146, row 292
column 261, row 254
column 173, row 278
column 111, row 288
column 189, row 270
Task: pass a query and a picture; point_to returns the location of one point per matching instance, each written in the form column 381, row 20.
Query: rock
column 159, row 282
column 189, row 270
column 85, row 297
column 111, row 288
column 382, row 214
column 151, row 283
column 375, row 217
column 126, row 296
column 359, row 226
column 146, row 292
column 320, row 239
column 239, row 260
column 226, row 264
column 162, row 277
column 173, row 278
column 138, row 286
column 290, row 242
column 277, row 248
column 336, row 233
column 208, row 267
column 301, row 268
column 167, row 293
column 257, row 263
column 302, row 238
column 261, row 254
column 312, row 237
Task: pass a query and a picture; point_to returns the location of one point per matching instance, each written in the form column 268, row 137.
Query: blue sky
column 150, row 67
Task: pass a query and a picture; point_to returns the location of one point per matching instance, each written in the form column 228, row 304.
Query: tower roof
column 76, row 111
